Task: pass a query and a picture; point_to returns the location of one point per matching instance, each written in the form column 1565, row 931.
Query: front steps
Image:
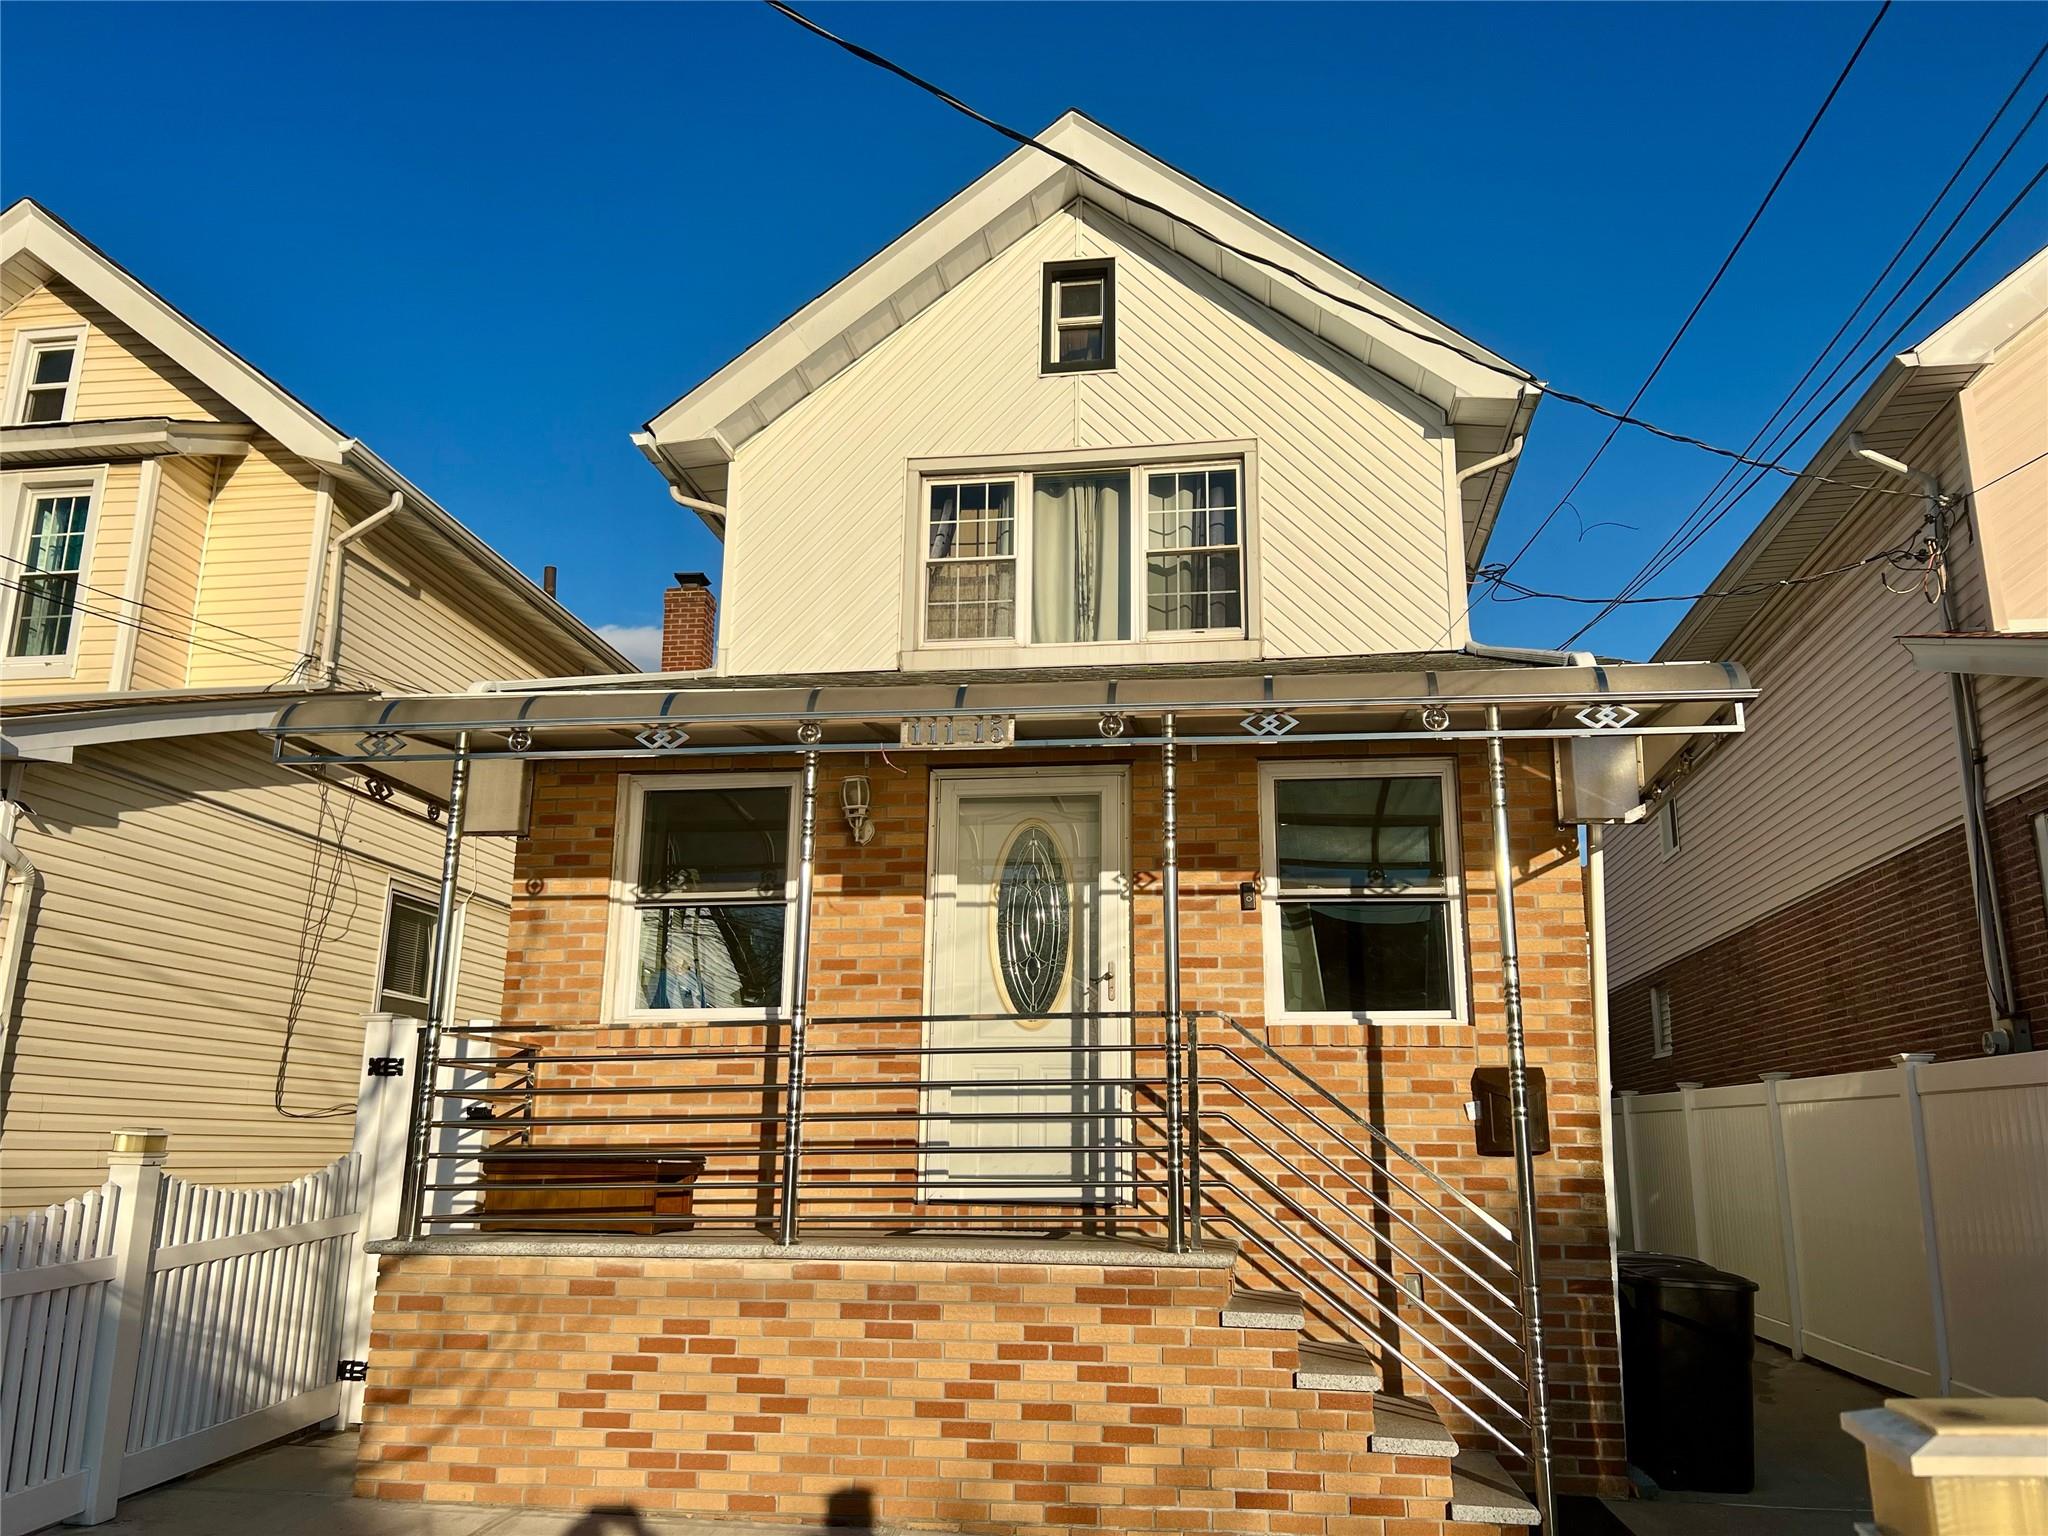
column 1482, row 1493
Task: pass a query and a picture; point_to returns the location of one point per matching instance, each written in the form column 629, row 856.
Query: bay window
column 702, row 890
column 1053, row 557
column 1363, row 918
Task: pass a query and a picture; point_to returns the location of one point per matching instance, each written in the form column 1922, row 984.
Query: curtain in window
column 1081, row 558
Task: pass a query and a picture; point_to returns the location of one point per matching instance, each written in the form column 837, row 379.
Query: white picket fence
column 1896, row 1222
column 153, row 1327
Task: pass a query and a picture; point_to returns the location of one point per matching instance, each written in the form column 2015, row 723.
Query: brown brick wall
column 689, row 624
column 1883, row 961
column 868, row 957
column 990, row 1398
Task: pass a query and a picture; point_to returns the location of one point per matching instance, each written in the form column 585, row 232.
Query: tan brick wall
column 1014, row 1398
column 1885, row 960
column 1413, row 1081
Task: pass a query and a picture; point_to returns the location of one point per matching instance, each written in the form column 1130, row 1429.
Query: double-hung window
column 41, row 577
column 1053, row 557
column 703, row 892
column 1080, row 316
column 1363, row 917
column 45, row 376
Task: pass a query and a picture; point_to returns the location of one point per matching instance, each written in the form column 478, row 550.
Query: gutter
column 23, row 888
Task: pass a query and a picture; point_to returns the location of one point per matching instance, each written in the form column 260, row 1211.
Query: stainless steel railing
column 1142, row 1126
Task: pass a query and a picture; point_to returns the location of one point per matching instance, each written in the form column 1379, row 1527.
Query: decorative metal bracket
column 1111, row 725
column 661, row 738
column 810, row 732
column 519, row 738
column 1435, row 718
column 380, row 743
column 1606, row 717
column 1271, row 724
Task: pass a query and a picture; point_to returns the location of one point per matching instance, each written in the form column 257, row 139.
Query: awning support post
column 440, row 1000
column 793, row 1096
column 1528, row 1241
column 1176, row 1209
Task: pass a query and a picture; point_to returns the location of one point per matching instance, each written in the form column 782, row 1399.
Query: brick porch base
column 968, row 1396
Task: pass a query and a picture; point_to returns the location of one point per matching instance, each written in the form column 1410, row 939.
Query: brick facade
column 984, row 1397
column 1883, row 961
column 868, row 957
column 689, row 624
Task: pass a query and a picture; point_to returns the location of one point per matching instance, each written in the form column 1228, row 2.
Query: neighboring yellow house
column 192, row 934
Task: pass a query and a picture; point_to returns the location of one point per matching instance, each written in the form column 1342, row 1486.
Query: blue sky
column 492, row 241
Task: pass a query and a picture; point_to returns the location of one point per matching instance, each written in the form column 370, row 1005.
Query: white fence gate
column 1896, row 1222
column 152, row 1327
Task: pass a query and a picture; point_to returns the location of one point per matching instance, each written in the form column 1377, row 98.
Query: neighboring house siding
column 177, row 545
column 191, row 889
column 1353, row 495
column 406, row 622
column 110, row 527
column 252, row 582
column 2005, row 413
column 124, row 375
column 1847, row 759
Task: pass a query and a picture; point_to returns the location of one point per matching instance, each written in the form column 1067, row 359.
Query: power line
column 1491, row 364
column 189, row 618
column 1685, row 535
column 1706, row 293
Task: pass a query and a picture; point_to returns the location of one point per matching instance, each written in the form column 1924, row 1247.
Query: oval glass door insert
column 1034, row 921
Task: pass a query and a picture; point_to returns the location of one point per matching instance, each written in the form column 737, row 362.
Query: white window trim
column 20, row 369
column 1660, row 1022
column 17, row 496
column 393, row 889
column 622, row 942
column 1445, row 771
column 1670, row 837
column 1019, row 471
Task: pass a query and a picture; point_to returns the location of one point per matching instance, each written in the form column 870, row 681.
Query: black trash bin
column 1688, row 1331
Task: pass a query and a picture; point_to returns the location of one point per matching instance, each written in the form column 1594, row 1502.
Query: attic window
column 46, row 376
column 1080, row 316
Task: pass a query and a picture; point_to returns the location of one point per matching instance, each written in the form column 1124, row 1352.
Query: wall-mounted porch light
column 856, row 798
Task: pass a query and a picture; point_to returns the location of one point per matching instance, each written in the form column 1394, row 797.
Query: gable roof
column 36, row 245
column 1909, row 392
column 1488, row 402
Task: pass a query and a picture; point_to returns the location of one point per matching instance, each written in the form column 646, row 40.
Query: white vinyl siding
column 1356, row 547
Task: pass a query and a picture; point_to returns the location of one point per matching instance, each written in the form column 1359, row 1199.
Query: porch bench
column 520, row 1183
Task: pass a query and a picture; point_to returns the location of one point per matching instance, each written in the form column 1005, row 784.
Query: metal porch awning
column 413, row 740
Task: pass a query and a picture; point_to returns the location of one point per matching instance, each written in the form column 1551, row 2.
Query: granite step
column 1483, row 1493
column 1409, row 1426
column 1332, row 1367
column 1248, row 1308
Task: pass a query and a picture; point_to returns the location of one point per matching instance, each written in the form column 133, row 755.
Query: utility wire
column 189, row 618
column 1491, row 364
column 1706, row 293
column 1686, row 534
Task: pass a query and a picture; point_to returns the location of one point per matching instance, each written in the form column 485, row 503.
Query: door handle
column 1105, row 984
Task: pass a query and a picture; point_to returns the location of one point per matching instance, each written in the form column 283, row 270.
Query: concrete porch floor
column 1809, row 1482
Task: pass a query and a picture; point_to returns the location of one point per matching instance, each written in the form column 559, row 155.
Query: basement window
column 1660, row 1022
column 1080, row 316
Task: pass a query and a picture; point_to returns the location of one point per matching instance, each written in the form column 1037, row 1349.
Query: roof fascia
column 27, row 227
column 141, row 436
column 55, row 737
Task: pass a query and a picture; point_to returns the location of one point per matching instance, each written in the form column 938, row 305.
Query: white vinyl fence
column 1896, row 1222
column 151, row 1327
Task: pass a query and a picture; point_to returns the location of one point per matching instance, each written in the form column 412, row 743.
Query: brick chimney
column 689, row 621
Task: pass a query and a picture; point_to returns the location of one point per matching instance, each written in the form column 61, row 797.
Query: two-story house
column 1035, row 1033
column 1865, row 872
column 193, row 934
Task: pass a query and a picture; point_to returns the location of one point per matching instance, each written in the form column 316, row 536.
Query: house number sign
column 951, row 732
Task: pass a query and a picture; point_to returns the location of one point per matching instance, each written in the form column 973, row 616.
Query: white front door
column 1029, row 944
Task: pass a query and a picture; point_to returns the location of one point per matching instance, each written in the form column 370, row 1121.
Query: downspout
column 1603, row 1062
column 24, row 886
column 2008, row 1031
column 708, row 508
column 1512, row 453
column 337, row 552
